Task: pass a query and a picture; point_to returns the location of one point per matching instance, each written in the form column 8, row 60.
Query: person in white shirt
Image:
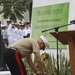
column 27, row 29
column 18, row 32
column 9, row 32
column 14, row 32
column 21, row 31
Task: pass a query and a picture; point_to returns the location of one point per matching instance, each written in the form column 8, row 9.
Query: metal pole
column 57, row 52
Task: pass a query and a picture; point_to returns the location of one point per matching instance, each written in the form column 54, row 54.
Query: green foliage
column 64, row 64
column 14, row 9
column 50, row 64
column 28, row 69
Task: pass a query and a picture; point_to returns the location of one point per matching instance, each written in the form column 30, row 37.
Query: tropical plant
column 14, row 9
column 64, row 64
column 50, row 64
column 28, row 69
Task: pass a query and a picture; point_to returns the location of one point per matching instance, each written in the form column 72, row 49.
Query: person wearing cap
column 9, row 32
column 27, row 30
column 24, row 48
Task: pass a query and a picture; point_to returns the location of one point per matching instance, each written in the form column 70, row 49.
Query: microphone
column 72, row 22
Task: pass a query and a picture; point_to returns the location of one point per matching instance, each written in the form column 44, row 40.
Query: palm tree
column 14, row 9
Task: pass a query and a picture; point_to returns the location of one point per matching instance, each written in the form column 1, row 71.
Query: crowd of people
column 13, row 32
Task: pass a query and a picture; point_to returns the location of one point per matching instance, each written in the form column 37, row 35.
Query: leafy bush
column 50, row 64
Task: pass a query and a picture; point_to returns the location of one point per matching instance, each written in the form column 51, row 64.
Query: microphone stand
column 56, row 27
column 56, row 30
column 57, row 51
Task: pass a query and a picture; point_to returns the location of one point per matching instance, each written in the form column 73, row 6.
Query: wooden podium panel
column 68, row 38
column 63, row 36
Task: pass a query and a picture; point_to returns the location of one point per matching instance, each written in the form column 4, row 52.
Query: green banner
column 47, row 17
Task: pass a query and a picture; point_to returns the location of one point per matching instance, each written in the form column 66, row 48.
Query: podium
column 68, row 38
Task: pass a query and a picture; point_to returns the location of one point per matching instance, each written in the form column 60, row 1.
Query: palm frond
column 13, row 17
column 19, row 15
column 14, row 8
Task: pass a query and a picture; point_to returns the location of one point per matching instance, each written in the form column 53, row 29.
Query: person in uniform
column 9, row 32
column 14, row 32
column 27, row 29
column 24, row 48
column 21, row 31
column 19, row 36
